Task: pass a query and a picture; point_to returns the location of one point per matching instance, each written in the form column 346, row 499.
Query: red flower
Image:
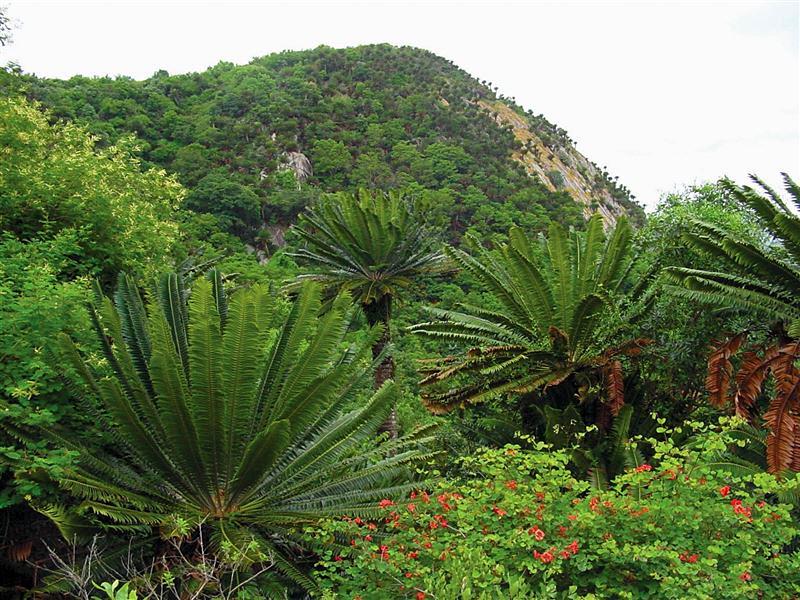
column 572, row 517
column 425, row 497
column 512, row 485
column 420, row 595
column 724, row 490
column 573, row 547
column 499, row 511
column 372, row 526
column 337, row 558
column 745, row 576
column 537, row 533
column 412, row 507
column 368, row 538
column 413, row 554
column 642, row 468
column 358, row 521
column 409, row 575
column 562, row 531
column 688, row 558
column 565, row 555
column 547, row 557
column 385, row 503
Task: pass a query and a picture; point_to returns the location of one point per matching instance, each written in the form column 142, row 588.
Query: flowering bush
column 523, row 526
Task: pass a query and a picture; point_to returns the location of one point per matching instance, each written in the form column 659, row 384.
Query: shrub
column 522, row 526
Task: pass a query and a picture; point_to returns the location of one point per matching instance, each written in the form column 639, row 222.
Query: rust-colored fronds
column 20, row 552
column 615, row 387
column 750, row 378
column 783, row 441
column 720, row 369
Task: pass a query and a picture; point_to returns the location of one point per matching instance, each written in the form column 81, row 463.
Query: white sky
column 664, row 94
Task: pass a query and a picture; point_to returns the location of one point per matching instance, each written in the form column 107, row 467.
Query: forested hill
column 255, row 143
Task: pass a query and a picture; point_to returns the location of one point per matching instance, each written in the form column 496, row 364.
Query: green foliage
column 761, row 278
column 237, row 207
column 54, row 181
column 68, row 212
column 557, row 315
column 373, row 116
column 113, row 591
column 371, row 244
column 672, row 370
column 225, row 415
column 519, row 525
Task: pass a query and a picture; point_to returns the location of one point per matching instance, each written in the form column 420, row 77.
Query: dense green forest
column 315, row 327
column 371, row 116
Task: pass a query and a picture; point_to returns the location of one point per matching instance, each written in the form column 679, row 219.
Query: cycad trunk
column 380, row 311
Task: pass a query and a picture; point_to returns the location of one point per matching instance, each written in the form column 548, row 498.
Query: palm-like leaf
column 551, row 325
column 370, row 244
column 239, row 421
column 764, row 280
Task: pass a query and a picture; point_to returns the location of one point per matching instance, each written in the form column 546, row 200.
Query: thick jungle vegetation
column 305, row 328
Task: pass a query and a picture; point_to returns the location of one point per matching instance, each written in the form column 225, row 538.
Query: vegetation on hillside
column 378, row 117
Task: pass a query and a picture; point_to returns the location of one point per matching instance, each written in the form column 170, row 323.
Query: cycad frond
column 550, row 326
column 756, row 277
column 370, row 244
column 224, row 421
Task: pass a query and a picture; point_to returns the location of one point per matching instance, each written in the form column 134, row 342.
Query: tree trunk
column 380, row 311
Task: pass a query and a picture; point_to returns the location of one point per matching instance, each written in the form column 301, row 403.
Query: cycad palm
column 755, row 279
column 549, row 333
column 219, row 417
column 372, row 245
column 764, row 281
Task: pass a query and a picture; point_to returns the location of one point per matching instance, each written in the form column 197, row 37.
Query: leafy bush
column 523, row 527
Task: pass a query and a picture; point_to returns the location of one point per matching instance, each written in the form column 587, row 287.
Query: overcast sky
column 664, row 94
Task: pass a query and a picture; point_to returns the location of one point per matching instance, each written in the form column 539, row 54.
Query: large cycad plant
column 553, row 339
column 763, row 280
column 225, row 414
column 373, row 245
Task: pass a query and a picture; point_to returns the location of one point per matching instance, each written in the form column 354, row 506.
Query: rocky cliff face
column 558, row 164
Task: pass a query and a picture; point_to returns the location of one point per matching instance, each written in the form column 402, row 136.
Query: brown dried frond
column 615, row 386
column 720, row 368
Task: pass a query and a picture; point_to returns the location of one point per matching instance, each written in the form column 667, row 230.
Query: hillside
column 255, row 143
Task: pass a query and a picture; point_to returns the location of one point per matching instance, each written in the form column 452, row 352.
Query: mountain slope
column 255, row 143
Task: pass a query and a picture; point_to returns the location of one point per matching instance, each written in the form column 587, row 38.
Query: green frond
column 206, row 375
column 72, row 525
column 561, row 265
column 243, row 350
column 259, row 457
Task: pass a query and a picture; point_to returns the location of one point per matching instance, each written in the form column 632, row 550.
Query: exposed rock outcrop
column 561, row 167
